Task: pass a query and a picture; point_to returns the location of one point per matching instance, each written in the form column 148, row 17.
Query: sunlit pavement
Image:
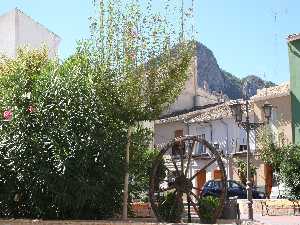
column 277, row 220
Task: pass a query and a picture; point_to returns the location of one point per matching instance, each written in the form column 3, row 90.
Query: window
column 201, row 149
column 234, row 185
column 273, row 125
column 243, row 148
column 178, row 133
column 178, row 147
column 217, row 146
column 210, row 184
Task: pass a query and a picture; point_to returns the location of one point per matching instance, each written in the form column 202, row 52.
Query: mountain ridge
column 219, row 80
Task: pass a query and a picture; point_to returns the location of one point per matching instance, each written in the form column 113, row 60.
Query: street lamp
column 267, row 107
column 237, row 112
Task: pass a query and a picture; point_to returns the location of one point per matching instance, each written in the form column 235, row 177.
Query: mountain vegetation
column 222, row 81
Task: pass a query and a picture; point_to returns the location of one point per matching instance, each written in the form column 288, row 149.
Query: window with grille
column 201, row 149
column 178, row 147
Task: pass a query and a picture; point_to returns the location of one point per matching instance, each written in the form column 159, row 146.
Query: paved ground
column 277, row 220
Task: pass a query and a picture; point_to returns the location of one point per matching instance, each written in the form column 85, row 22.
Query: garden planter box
column 141, row 209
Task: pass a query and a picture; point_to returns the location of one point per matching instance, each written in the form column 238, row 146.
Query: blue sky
column 244, row 35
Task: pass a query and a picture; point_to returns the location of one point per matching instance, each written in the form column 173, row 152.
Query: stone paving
column 89, row 222
column 272, row 220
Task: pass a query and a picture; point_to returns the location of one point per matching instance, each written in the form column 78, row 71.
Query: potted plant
column 207, row 208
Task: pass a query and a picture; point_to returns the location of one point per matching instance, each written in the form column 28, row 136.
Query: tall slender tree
column 141, row 63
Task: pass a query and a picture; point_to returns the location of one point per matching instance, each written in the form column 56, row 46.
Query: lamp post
column 237, row 112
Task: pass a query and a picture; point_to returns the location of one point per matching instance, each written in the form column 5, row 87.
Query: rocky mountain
column 211, row 75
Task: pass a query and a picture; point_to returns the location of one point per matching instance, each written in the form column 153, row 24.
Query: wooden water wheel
column 171, row 186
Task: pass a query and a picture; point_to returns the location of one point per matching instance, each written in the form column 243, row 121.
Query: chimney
column 294, row 60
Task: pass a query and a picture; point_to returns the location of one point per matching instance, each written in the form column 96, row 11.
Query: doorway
column 201, row 179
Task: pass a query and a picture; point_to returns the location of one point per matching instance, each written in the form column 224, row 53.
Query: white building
column 18, row 30
column 215, row 124
column 192, row 97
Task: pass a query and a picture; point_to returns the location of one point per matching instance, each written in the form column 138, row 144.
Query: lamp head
column 236, row 109
column 267, row 107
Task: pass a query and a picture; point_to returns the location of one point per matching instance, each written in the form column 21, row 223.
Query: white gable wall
column 191, row 95
column 7, row 34
column 19, row 30
column 34, row 35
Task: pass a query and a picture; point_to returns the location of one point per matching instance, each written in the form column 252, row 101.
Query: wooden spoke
column 198, row 189
column 191, row 148
column 181, row 150
column 193, row 203
column 179, row 199
column 177, row 180
column 195, row 196
column 205, row 167
column 161, row 190
column 175, row 165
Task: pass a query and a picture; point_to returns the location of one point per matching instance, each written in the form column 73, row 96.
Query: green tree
column 140, row 65
column 141, row 162
column 69, row 122
column 60, row 151
column 284, row 159
column 242, row 170
column 289, row 169
column 270, row 152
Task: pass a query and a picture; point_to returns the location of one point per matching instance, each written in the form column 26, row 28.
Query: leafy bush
column 290, row 170
column 207, row 207
column 284, row 159
column 61, row 151
column 141, row 163
column 242, row 171
column 56, row 159
column 169, row 209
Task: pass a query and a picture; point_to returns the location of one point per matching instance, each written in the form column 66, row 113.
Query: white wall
column 18, row 30
column 33, row 34
column 163, row 133
column 186, row 99
column 224, row 132
column 7, row 34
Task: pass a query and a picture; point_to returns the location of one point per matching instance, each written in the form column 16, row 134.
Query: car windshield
column 218, row 184
column 214, row 184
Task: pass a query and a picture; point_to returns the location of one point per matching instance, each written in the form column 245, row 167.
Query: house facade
column 19, row 30
column 216, row 124
column 280, row 123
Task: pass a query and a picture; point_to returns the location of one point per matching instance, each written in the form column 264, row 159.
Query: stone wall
column 274, row 207
column 82, row 222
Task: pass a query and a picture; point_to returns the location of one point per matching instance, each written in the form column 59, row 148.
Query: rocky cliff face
column 210, row 74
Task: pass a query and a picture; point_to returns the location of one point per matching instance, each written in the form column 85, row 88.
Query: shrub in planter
column 207, row 208
column 169, row 209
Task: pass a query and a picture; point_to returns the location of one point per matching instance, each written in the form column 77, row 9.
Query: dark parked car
column 213, row 188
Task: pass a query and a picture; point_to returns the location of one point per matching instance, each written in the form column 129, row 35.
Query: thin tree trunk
column 126, row 177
